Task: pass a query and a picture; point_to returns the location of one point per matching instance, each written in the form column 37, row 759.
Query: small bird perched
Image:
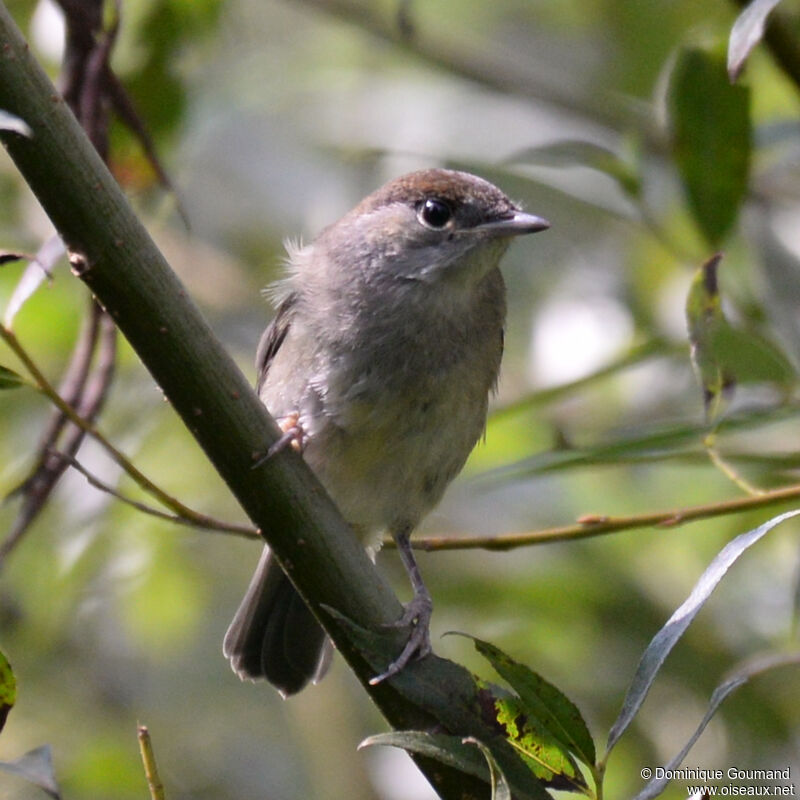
column 379, row 363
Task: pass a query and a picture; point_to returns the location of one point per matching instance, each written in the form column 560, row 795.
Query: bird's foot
column 418, row 613
column 293, row 436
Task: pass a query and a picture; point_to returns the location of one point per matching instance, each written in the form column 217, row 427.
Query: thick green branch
column 113, row 254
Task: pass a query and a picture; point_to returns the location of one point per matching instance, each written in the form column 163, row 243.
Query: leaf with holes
column 8, row 689
column 556, row 713
column 547, row 757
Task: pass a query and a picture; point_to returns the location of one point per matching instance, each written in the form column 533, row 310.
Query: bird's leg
column 417, row 612
column 293, row 435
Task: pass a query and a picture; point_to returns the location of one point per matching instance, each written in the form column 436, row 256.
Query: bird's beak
column 516, row 225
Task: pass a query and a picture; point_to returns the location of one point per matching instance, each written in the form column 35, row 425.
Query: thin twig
column 196, row 520
column 154, row 783
column 726, row 469
column 119, row 458
column 598, row 525
column 37, row 486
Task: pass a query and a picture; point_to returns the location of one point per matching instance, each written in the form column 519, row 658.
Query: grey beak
column 516, row 225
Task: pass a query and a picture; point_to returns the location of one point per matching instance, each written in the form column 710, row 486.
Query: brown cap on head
column 473, row 200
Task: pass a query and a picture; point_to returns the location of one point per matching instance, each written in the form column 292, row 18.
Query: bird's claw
column 418, row 613
column 293, row 436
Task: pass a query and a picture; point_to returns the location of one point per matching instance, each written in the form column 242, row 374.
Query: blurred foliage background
column 273, row 118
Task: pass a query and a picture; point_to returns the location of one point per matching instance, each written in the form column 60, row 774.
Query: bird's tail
column 274, row 635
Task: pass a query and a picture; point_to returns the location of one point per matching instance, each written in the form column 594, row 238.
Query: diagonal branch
column 113, row 254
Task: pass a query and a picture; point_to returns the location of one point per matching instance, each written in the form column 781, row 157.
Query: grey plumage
column 385, row 347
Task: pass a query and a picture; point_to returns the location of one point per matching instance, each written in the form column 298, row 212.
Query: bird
column 378, row 366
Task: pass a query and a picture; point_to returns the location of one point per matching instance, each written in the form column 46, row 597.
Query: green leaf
column 751, row 358
column 732, row 682
column 449, row 750
column 712, row 138
column 38, row 270
column 547, row 757
column 10, row 379
column 36, row 767
column 500, row 788
column 659, row 443
column 662, row 643
column 457, row 753
column 577, row 152
column 558, row 716
column 449, row 694
column 723, row 355
column 705, row 320
column 8, row 689
column 746, row 34
column 12, row 123
column 377, row 648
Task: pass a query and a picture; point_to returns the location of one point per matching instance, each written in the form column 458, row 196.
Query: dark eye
column 434, row 213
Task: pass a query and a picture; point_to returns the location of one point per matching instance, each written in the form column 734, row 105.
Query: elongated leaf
column 712, row 139
column 746, row 34
column 705, row 319
column 8, row 689
column 452, row 697
column 500, row 788
column 638, row 353
column 450, row 750
column 722, row 355
column 751, row 358
column 663, row 642
column 740, row 676
column 782, row 283
column 36, row 767
column 663, row 442
column 10, row 379
column 9, row 122
column 558, row 715
column 578, row 152
column 41, row 267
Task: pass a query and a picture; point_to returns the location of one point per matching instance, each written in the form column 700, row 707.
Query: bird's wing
column 272, row 339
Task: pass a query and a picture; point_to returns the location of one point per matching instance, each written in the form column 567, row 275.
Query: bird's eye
column 434, row 213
